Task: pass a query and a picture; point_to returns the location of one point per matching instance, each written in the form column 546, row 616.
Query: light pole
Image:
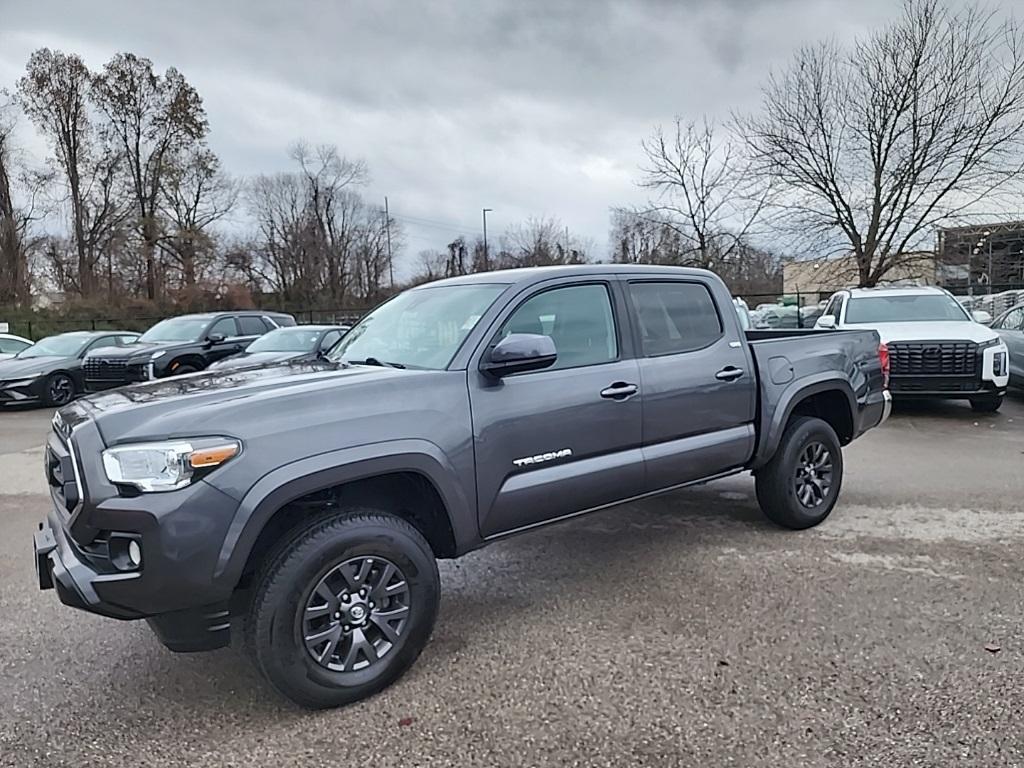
column 487, row 258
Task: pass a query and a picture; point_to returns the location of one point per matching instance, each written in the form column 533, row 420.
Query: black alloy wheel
column 60, row 390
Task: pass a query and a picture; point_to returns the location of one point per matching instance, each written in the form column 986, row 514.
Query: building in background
column 983, row 255
column 823, row 277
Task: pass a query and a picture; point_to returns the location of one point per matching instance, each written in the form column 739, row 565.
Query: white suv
column 936, row 349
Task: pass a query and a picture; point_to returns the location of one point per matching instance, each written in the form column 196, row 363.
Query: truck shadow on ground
column 507, row 583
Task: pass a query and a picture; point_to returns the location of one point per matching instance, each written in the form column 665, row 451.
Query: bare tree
column 195, row 195
column 156, row 119
column 910, row 128
column 643, row 238
column 55, row 95
column 702, row 190
column 16, row 238
column 538, row 243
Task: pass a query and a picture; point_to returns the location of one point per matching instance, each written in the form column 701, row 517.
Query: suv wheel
column 800, row 485
column 989, row 404
column 344, row 608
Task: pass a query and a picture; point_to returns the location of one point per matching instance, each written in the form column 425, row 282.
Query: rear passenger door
column 699, row 389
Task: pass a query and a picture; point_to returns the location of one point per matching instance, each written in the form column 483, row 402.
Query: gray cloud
column 530, row 108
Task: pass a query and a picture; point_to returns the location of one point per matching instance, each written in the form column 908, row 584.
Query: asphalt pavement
column 681, row 631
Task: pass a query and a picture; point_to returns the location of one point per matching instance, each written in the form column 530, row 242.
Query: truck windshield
column 176, row 329
column 417, row 329
column 904, row 309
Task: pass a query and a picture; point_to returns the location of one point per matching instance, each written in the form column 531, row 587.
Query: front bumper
column 180, row 535
column 31, row 392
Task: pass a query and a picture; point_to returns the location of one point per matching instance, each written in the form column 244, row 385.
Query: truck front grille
column 933, row 358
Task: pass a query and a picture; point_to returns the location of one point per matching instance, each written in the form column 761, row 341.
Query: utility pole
column 387, row 226
column 487, row 258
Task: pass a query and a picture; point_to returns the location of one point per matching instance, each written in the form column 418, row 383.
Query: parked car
column 10, row 345
column 297, row 343
column 50, row 371
column 304, row 506
column 936, row 349
column 1010, row 327
column 180, row 345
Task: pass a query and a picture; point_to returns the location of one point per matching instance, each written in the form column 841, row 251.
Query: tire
column 313, row 564
column 59, row 390
column 777, row 482
column 988, row 404
column 183, row 369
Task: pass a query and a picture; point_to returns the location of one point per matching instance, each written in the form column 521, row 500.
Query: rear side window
column 12, row 346
column 280, row 321
column 578, row 318
column 225, row 327
column 251, row 325
column 330, row 339
column 675, row 317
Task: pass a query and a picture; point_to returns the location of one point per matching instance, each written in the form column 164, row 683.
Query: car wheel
column 344, row 608
column 182, row 369
column 989, row 404
column 59, row 390
column 800, row 485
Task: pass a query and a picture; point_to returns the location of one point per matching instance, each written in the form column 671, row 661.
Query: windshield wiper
column 375, row 361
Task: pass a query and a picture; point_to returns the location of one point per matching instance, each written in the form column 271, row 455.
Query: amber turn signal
column 211, row 457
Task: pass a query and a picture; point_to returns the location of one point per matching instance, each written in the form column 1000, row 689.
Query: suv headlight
column 997, row 341
column 169, row 465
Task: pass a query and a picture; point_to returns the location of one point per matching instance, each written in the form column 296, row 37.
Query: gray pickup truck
column 301, row 508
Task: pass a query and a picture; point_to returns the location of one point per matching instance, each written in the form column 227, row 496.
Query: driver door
column 564, row 439
column 228, row 328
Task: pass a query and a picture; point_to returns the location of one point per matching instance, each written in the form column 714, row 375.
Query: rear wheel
column 800, row 485
column 60, row 390
column 988, row 404
column 344, row 608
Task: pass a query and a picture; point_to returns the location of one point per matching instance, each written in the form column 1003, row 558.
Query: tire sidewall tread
column 294, row 568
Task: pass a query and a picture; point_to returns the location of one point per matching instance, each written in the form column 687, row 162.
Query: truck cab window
column 578, row 318
column 675, row 317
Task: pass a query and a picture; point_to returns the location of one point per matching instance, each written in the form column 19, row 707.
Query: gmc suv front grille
column 933, row 358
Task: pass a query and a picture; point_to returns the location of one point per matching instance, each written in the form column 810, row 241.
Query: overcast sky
column 529, row 108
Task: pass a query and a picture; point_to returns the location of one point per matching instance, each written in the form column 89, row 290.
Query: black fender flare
column 771, row 431
column 315, row 473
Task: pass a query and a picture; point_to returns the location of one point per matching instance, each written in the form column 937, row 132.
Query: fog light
column 134, row 553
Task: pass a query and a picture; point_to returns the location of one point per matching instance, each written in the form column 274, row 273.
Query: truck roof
column 534, row 274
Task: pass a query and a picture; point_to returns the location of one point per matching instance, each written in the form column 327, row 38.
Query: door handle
column 620, row 390
column 729, row 373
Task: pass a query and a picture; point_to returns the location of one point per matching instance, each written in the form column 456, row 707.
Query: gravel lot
column 684, row 630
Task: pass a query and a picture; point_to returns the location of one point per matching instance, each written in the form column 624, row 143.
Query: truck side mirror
column 826, row 321
column 517, row 353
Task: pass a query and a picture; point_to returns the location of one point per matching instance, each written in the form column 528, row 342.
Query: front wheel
column 800, row 485
column 344, row 609
column 60, row 390
column 988, row 404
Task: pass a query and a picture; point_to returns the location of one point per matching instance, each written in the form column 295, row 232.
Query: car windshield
column 286, row 340
column 904, row 309
column 176, row 329
column 417, row 329
column 65, row 345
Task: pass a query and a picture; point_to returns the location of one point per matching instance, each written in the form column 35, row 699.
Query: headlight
column 18, row 382
column 158, row 355
column 997, row 341
column 166, row 466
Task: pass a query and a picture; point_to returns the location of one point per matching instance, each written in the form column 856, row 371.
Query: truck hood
column 237, row 402
column 949, row 330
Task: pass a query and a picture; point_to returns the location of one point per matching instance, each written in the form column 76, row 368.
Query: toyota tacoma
column 301, row 508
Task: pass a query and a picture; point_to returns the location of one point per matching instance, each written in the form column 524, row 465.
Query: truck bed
column 794, row 359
